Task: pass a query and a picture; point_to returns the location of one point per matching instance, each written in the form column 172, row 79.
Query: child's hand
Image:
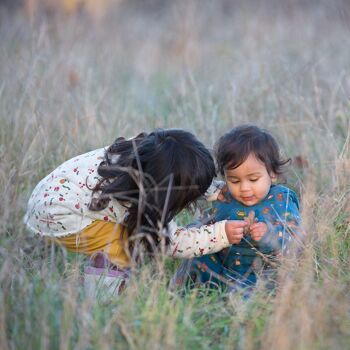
column 258, row 230
column 222, row 194
column 234, row 230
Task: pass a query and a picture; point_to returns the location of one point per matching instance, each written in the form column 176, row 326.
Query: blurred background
column 76, row 74
column 77, row 68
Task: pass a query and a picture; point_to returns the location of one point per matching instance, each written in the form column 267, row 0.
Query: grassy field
column 72, row 81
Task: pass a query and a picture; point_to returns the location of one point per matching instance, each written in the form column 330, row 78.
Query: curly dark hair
column 154, row 176
column 234, row 147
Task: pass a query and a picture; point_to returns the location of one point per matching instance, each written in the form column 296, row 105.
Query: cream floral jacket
column 59, row 206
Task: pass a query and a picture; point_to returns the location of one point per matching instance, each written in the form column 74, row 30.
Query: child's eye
column 234, row 182
column 254, row 180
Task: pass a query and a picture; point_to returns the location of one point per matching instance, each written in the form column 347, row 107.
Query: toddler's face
column 250, row 182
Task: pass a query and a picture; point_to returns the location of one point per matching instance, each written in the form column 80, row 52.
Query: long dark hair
column 155, row 176
column 234, row 147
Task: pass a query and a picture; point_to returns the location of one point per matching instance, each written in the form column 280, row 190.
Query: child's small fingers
column 237, row 223
column 256, row 234
column 235, row 226
column 259, row 227
column 224, row 189
column 221, row 197
column 254, row 228
column 238, row 232
column 235, row 237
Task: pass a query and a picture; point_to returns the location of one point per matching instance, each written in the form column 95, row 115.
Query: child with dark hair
column 249, row 160
column 109, row 203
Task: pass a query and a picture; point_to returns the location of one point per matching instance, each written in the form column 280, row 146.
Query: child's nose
column 245, row 186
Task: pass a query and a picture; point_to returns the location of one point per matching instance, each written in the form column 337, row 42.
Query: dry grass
column 71, row 82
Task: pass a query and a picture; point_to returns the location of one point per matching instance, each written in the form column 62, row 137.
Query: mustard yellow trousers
column 108, row 237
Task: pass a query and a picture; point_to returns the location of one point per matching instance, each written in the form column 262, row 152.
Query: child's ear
column 273, row 177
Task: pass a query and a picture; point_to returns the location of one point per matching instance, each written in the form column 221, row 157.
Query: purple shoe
column 102, row 279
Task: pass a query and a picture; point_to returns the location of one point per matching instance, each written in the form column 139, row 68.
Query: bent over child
column 125, row 197
column 249, row 160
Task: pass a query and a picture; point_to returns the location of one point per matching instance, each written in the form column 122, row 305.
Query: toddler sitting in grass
column 249, row 160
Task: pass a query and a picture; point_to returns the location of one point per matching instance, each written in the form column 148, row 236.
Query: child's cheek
column 233, row 190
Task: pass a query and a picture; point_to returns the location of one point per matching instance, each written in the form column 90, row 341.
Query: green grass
column 204, row 68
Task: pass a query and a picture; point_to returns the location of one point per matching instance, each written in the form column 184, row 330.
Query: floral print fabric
column 59, row 206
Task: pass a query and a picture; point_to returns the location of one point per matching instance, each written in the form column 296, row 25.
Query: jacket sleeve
column 196, row 241
column 283, row 225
